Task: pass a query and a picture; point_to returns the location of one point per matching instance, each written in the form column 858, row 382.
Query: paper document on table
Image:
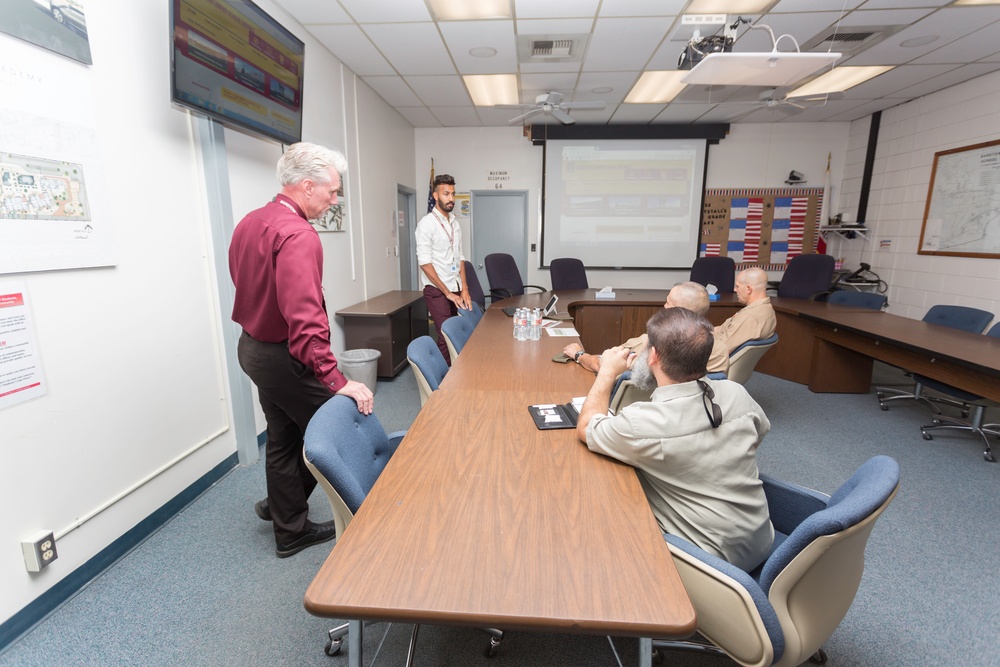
column 562, row 331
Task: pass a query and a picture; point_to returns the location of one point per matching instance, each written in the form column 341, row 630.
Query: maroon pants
column 440, row 309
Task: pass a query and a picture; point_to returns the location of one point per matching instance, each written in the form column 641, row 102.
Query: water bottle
column 536, row 324
column 517, row 324
column 522, row 323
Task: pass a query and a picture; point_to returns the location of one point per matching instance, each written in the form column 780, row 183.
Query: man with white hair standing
column 276, row 262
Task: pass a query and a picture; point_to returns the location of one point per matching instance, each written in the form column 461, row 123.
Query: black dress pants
column 289, row 394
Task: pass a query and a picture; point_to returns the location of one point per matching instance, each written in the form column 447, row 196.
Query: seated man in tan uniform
column 693, row 444
column 688, row 295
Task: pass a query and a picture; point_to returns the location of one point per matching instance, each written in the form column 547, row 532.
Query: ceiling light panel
column 462, row 10
column 839, row 79
column 656, row 87
column 728, row 6
column 553, row 9
column 489, row 89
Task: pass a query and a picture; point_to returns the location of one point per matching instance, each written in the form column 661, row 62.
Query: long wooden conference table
column 482, row 520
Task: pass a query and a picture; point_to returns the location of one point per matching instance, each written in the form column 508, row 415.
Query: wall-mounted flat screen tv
column 232, row 62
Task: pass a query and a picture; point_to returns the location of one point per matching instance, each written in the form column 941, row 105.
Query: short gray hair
column 304, row 160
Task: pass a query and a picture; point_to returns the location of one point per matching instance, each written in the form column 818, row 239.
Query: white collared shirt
column 439, row 242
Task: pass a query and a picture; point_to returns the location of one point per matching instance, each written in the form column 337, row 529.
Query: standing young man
column 276, row 262
column 439, row 254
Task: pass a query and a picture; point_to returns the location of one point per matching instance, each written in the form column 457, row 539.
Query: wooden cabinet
column 386, row 323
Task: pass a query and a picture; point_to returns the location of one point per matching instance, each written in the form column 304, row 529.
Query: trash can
column 360, row 366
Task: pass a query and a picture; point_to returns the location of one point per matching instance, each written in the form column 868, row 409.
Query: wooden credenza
column 386, row 323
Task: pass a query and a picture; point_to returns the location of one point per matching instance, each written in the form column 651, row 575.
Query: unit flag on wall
column 761, row 227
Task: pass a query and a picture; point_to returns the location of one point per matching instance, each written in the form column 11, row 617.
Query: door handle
column 480, row 266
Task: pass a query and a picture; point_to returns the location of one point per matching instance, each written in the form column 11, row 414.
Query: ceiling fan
column 551, row 104
column 777, row 99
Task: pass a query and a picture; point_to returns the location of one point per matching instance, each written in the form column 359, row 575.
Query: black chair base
column 944, row 422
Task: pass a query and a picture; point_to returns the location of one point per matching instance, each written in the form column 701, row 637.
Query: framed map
column 962, row 216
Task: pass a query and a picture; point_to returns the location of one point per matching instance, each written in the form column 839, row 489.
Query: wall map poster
column 760, row 227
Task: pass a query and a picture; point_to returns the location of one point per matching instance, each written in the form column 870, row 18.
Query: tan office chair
column 626, row 393
column 744, row 358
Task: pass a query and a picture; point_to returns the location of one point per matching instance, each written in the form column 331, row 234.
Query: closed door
column 499, row 224
column 405, row 226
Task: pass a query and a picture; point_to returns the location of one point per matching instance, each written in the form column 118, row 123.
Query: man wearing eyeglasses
column 694, row 443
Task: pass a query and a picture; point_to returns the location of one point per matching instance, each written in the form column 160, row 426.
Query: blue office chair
column 568, row 273
column 456, row 332
column 475, row 313
column 346, row 452
column 783, row 611
column 744, row 358
column 965, row 401
column 428, row 364
column 505, row 279
column 806, row 277
column 872, row 300
column 475, row 287
column 718, row 271
column 962, row 318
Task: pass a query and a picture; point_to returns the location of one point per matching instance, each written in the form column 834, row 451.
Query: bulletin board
column 761, row 227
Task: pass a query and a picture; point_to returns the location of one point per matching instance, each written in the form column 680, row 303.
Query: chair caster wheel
column 333, row 647
column 989, row 456
column 493, row 648
column 927, row 436
column 657, row 657
column 885, row 408
column 818, row 658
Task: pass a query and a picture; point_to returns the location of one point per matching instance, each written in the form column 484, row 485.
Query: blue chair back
column 872, row 300
column 425, row 355
column 458, row 329
column 475, row 287
column 505, row 279
column 962, row 318
column 474, row 314
column 346, row 451
column 568, row 273
column 719, row 271
column 806, row 276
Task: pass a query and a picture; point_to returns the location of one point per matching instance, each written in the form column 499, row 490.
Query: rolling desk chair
column 962, row 318
column 456, row 332
column 806, row 277
column 782, row 612
column 568, row 273
column 346, row 452
column 872, row 300
column 965, row 400
column 505, row 279
column 428, row 364
column 475, row 287
column 719, row 271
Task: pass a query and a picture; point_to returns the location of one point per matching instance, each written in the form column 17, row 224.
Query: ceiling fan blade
column 529, row 114
column 563, row 117
column 790, row 109
column 553, row 98
column 582, row 105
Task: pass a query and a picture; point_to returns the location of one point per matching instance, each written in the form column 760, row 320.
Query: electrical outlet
column 39, row 551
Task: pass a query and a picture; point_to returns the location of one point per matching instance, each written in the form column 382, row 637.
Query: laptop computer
column 549, row 311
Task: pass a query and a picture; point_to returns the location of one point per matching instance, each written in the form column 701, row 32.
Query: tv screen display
column 234, row 63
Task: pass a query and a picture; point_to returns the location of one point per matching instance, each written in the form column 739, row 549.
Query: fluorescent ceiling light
column 727, row 6
column 656, row 87
column 463, row 10
column 772, row 68
column 977, row 2
column 838, row 80
column 490, row 89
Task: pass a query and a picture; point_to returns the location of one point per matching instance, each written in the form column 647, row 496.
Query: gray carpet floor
column 206, row 589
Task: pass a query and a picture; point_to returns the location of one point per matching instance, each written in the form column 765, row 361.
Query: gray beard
column 642, row 376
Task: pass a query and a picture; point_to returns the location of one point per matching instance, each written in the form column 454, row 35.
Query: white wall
column 752, row 156
column 137, row 406
column 909, row 135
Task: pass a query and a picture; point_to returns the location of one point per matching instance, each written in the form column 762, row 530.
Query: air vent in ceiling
column 852, row 41
column 551, row 48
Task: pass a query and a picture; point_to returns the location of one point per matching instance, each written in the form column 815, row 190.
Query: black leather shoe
column 316, row 534
column 262, row 510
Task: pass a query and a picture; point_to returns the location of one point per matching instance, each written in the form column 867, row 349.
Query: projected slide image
column 638, row 206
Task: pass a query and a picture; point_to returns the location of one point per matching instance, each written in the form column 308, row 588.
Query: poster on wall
column 56, row 25
column 52, row 201
column 20, row 367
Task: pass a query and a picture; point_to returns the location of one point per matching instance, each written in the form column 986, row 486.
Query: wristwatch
column 579, row 353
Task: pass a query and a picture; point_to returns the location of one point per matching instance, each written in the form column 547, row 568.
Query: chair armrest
column 498, row 293
column 394, row 439
column 540, row 289
column 717, row 376
column 790, row 504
